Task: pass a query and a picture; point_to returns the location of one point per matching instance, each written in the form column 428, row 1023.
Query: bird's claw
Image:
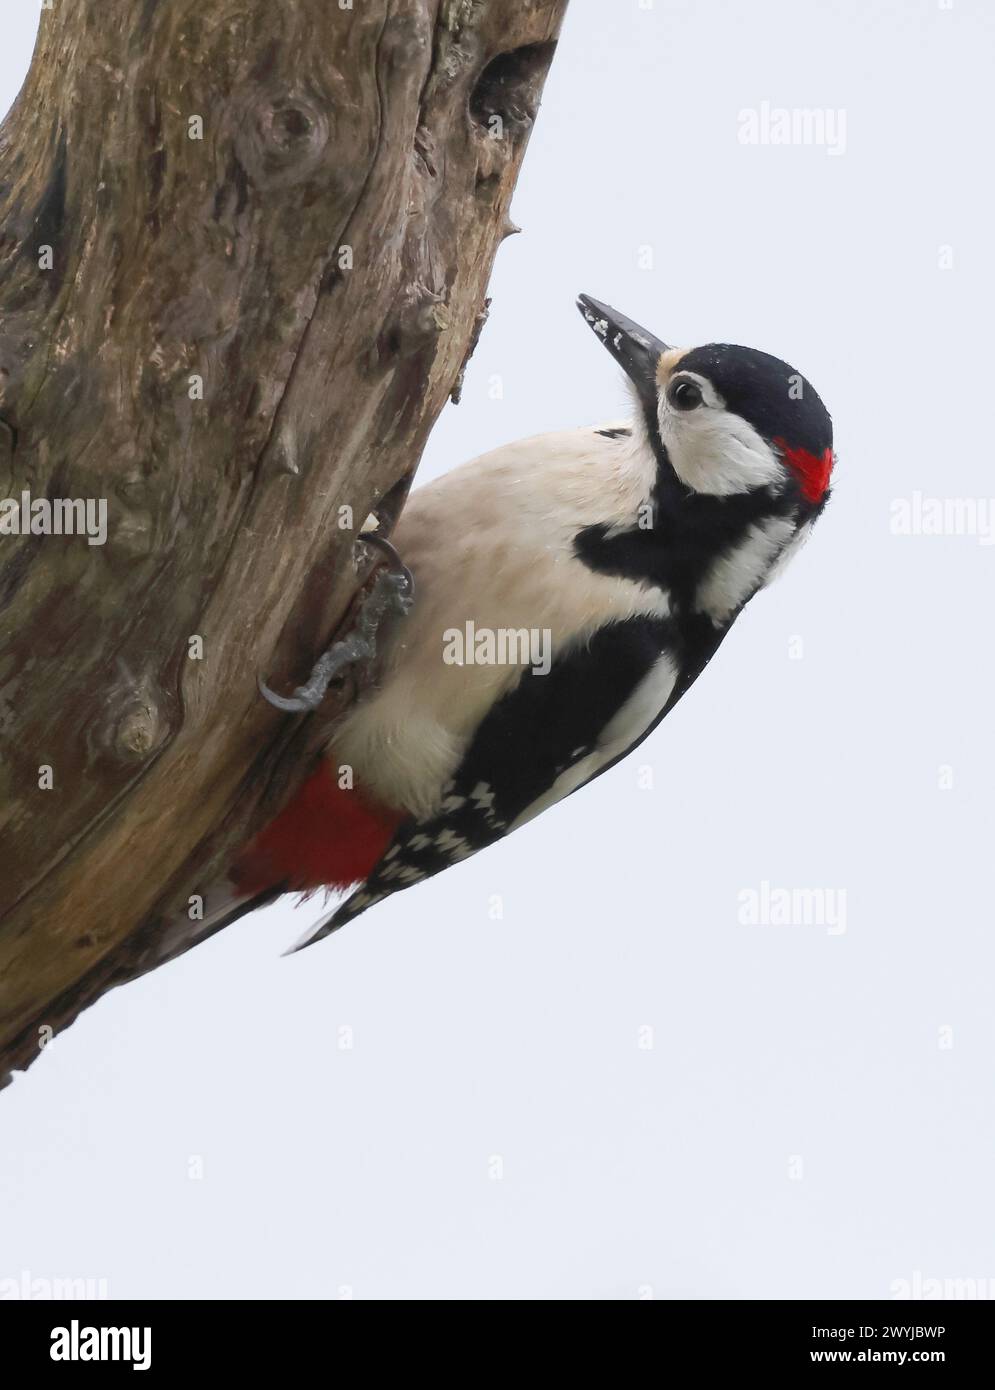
column 393, row 591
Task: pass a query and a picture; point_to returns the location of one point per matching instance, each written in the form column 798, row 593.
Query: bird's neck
column 710, row 554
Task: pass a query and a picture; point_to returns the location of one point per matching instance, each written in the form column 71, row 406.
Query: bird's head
column 729, row 421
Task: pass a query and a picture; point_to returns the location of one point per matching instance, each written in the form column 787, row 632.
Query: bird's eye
column 684, row 395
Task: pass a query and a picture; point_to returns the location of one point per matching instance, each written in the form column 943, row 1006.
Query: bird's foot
column 393, row 592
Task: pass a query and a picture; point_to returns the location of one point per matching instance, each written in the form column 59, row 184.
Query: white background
column 626, row 1170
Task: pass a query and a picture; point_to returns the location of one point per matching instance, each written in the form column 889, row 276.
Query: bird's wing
column 547, row 737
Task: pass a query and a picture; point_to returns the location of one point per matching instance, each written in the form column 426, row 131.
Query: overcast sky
column 625, row 1087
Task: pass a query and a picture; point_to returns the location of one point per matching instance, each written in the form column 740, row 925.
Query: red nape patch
column 326, row 837
column 811, row 470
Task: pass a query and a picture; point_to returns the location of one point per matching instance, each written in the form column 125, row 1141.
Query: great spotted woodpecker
column 631, row 547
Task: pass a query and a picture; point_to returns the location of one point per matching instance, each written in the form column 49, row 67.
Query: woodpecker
column 633, row 546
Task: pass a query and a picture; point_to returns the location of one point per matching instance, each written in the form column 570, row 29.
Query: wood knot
column 281, row 138
column 131, row 538
column 138, row 732
column 133, row 728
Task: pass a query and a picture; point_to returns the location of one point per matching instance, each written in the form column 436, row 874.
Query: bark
column 314, row 267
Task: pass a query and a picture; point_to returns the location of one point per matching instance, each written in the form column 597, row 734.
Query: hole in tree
column 509, row 87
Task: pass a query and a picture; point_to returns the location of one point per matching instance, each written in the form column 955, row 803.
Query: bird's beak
column 636, row 351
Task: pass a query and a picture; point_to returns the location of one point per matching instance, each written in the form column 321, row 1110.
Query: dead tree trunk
column 243, row 253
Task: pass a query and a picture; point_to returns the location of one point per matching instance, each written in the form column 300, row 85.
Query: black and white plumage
column 634, row 545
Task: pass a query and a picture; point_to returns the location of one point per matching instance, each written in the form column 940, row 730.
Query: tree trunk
column 243, row 255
